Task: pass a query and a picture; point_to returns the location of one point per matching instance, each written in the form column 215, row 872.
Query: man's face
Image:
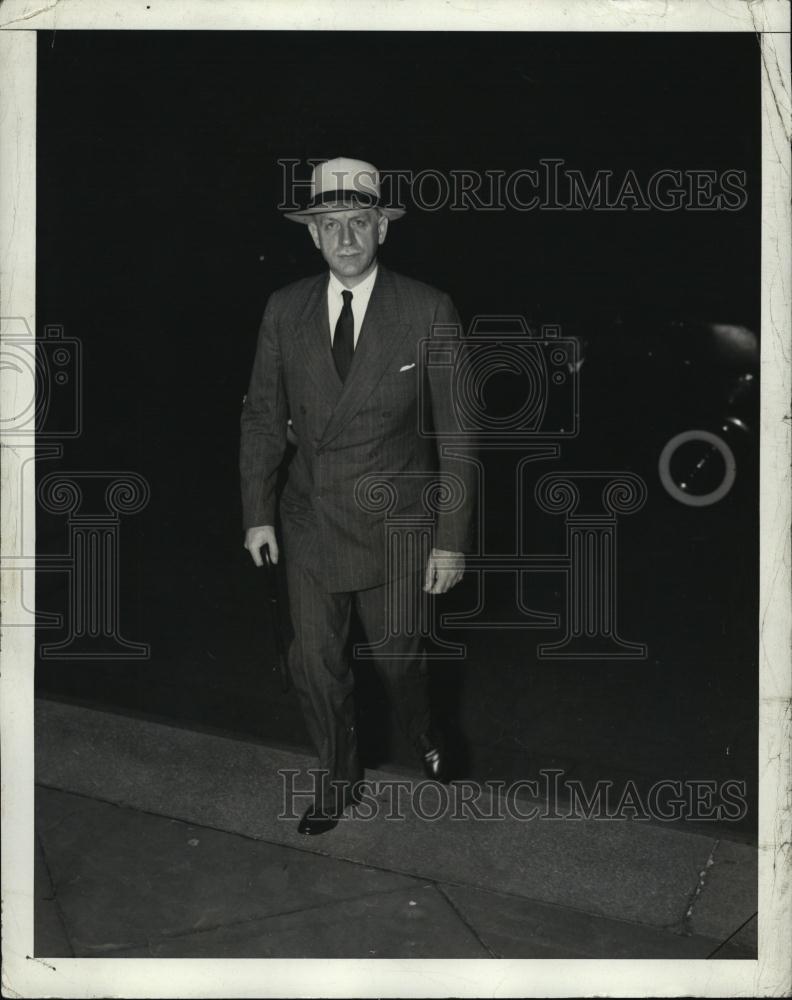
column 348, row 241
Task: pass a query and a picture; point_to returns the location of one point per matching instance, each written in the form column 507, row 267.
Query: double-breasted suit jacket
column 352, row 433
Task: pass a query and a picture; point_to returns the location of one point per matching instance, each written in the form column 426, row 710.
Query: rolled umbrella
column 273, row 601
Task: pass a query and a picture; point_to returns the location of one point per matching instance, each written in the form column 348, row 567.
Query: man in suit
column 339, row 356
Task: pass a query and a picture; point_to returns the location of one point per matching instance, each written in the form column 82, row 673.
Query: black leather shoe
column 434, row 759
column 314, row 823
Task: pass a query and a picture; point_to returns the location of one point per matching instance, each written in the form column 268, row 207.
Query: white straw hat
column 342, row 184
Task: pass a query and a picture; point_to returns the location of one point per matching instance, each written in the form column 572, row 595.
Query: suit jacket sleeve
column 454, row 525
column 264, row 416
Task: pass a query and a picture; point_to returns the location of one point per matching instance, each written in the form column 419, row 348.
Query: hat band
column 360, row 199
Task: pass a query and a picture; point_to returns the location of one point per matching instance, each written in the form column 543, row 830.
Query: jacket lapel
column 313, row 335
column 383, row 330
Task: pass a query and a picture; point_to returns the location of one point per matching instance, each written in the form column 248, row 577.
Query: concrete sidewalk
column 156, row 841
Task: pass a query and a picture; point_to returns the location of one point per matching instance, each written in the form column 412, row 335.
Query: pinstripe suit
column 335, row 548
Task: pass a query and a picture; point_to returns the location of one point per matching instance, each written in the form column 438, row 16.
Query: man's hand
column 257, row 538
column 443, row 571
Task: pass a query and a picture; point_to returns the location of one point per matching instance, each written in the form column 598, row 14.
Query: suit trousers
column 392, row 616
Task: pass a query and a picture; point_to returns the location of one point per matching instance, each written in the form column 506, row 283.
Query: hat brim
column 306, row 214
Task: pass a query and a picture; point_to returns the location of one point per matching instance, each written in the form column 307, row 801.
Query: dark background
column 159, row 243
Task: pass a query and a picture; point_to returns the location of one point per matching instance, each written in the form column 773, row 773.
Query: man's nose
column 346, row 234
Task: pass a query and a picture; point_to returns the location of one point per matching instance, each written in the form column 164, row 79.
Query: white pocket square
column 406, row 368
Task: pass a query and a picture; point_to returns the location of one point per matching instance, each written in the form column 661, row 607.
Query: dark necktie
column 344, row 338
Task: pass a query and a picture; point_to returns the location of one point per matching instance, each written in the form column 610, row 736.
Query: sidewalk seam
column 678, row 927
column 734, row 933
column 54, row 899
column 234, row 833
column 465, row 921
column 178, row 935
column 702, row 878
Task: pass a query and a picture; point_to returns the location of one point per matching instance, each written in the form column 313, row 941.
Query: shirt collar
column 363, row 290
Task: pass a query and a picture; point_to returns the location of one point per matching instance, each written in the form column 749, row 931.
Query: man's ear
column 313, row 230
column 382, row 226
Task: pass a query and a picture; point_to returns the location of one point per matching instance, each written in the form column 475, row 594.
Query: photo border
column 771, row 973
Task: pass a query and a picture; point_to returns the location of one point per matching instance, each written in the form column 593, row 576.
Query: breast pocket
column 404, row 382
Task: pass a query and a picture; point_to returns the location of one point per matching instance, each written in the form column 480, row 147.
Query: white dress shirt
column 360, row 299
